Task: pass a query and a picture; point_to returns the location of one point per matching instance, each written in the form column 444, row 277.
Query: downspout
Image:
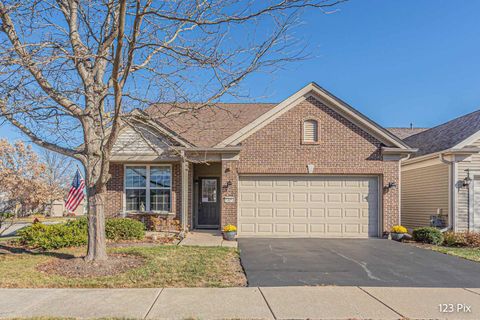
column 452, row 192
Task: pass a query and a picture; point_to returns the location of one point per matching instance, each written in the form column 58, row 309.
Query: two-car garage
column 308, row 206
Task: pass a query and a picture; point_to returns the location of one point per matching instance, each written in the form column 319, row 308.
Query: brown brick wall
column 343, row 148
column 114, row 202
column 176, row 190
column 229, row 210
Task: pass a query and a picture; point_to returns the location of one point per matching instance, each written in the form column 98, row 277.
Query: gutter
column 390, row 150
column 462, row 151
column 199, row 149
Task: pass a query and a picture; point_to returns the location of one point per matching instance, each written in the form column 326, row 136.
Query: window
column 209, row 190
column 310, row 131
column 148, row 188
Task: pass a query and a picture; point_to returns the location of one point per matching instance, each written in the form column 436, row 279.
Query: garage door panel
column 317, row 197
column 282, row 196
column 247, row 212
column 265, row 212
column 282, row 213
column 312, row 206
column 317, row 212
column 299, row 212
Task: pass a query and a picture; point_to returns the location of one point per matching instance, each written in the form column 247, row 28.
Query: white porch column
column 184, row 187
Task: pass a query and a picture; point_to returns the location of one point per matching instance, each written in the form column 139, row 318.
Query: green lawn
column 466, row 253
column 165, row 266
column 7, row 239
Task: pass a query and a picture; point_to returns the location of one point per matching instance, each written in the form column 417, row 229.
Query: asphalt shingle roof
column 207, row 126
column 446, row 135
column 403, row 133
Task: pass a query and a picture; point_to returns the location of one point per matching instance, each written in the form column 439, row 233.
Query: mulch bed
column 144, row 242
column 79, row 268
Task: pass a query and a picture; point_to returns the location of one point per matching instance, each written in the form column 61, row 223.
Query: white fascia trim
column 469, row 141
column 332, row 102
column 453, row 151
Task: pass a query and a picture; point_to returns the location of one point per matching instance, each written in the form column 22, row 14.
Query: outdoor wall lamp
column 228, row 184
column 391, row 185
column 466, row 182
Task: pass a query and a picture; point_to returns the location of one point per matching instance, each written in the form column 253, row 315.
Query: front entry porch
column 206, row 196
column 206, row 238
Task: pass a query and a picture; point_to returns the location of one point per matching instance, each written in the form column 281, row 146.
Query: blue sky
column 395, row 61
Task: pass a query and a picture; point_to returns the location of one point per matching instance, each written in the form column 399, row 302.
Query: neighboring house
column 310, row 166
column 57, row 209
column 403, row 133
column 442, row 180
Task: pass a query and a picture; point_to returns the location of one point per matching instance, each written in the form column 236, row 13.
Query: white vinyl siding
column 308, row 206
column 310, row 131
column 472, row 164
column 425, row 192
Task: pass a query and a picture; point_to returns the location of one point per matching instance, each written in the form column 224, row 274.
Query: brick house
column 310, row 166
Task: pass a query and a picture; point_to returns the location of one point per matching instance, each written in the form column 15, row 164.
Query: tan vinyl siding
column 424, row 191
column 141, row 141
column 473, row 164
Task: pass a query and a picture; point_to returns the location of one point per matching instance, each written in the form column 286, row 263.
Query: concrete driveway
column 345, row 262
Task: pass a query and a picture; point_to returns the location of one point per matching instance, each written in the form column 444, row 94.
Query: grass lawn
column 165, row 266
column 466, row 253
column 7, row 239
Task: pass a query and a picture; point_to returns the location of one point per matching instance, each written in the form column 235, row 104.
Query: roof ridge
column 213, row 103
column 444, row 123
column 407, row 128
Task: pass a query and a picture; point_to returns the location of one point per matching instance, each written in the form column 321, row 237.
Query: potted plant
column 229, row 232
column 398, row 233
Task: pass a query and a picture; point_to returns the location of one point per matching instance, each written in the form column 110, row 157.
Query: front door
column 209, row 204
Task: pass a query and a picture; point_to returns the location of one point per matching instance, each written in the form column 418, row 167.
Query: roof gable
column 329, row 100
column 134, row 143
column 455, row 133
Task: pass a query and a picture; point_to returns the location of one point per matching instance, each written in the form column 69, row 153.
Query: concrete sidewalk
column 243, row 303
column 207, row 238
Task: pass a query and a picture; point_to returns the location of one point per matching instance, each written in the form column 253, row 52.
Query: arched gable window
column 310, row 131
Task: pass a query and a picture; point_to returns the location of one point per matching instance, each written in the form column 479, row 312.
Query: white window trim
column 147, row 187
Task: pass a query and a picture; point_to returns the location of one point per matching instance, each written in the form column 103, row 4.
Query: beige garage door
column 308, row 206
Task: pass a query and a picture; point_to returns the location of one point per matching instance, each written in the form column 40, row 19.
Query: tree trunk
column 97, row 245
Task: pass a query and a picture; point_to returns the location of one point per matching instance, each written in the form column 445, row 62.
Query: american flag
column 75, row 196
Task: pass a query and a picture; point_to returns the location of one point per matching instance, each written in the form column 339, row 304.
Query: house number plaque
column 229, row 199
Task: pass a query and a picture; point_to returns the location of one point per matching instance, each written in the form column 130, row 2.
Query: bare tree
column 72, row 70
column 59, row 170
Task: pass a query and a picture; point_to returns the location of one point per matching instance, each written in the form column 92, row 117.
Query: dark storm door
column 209, row 203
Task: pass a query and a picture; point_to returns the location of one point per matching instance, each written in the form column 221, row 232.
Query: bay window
column 148, row 188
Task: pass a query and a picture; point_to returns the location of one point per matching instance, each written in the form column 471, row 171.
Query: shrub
column 428, row 235
column 454, row 239
column 55, row 236
column 74, row 233
column 462, row 239
column 124, row 229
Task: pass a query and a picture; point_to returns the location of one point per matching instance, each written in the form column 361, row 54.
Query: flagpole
column 80, row 171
